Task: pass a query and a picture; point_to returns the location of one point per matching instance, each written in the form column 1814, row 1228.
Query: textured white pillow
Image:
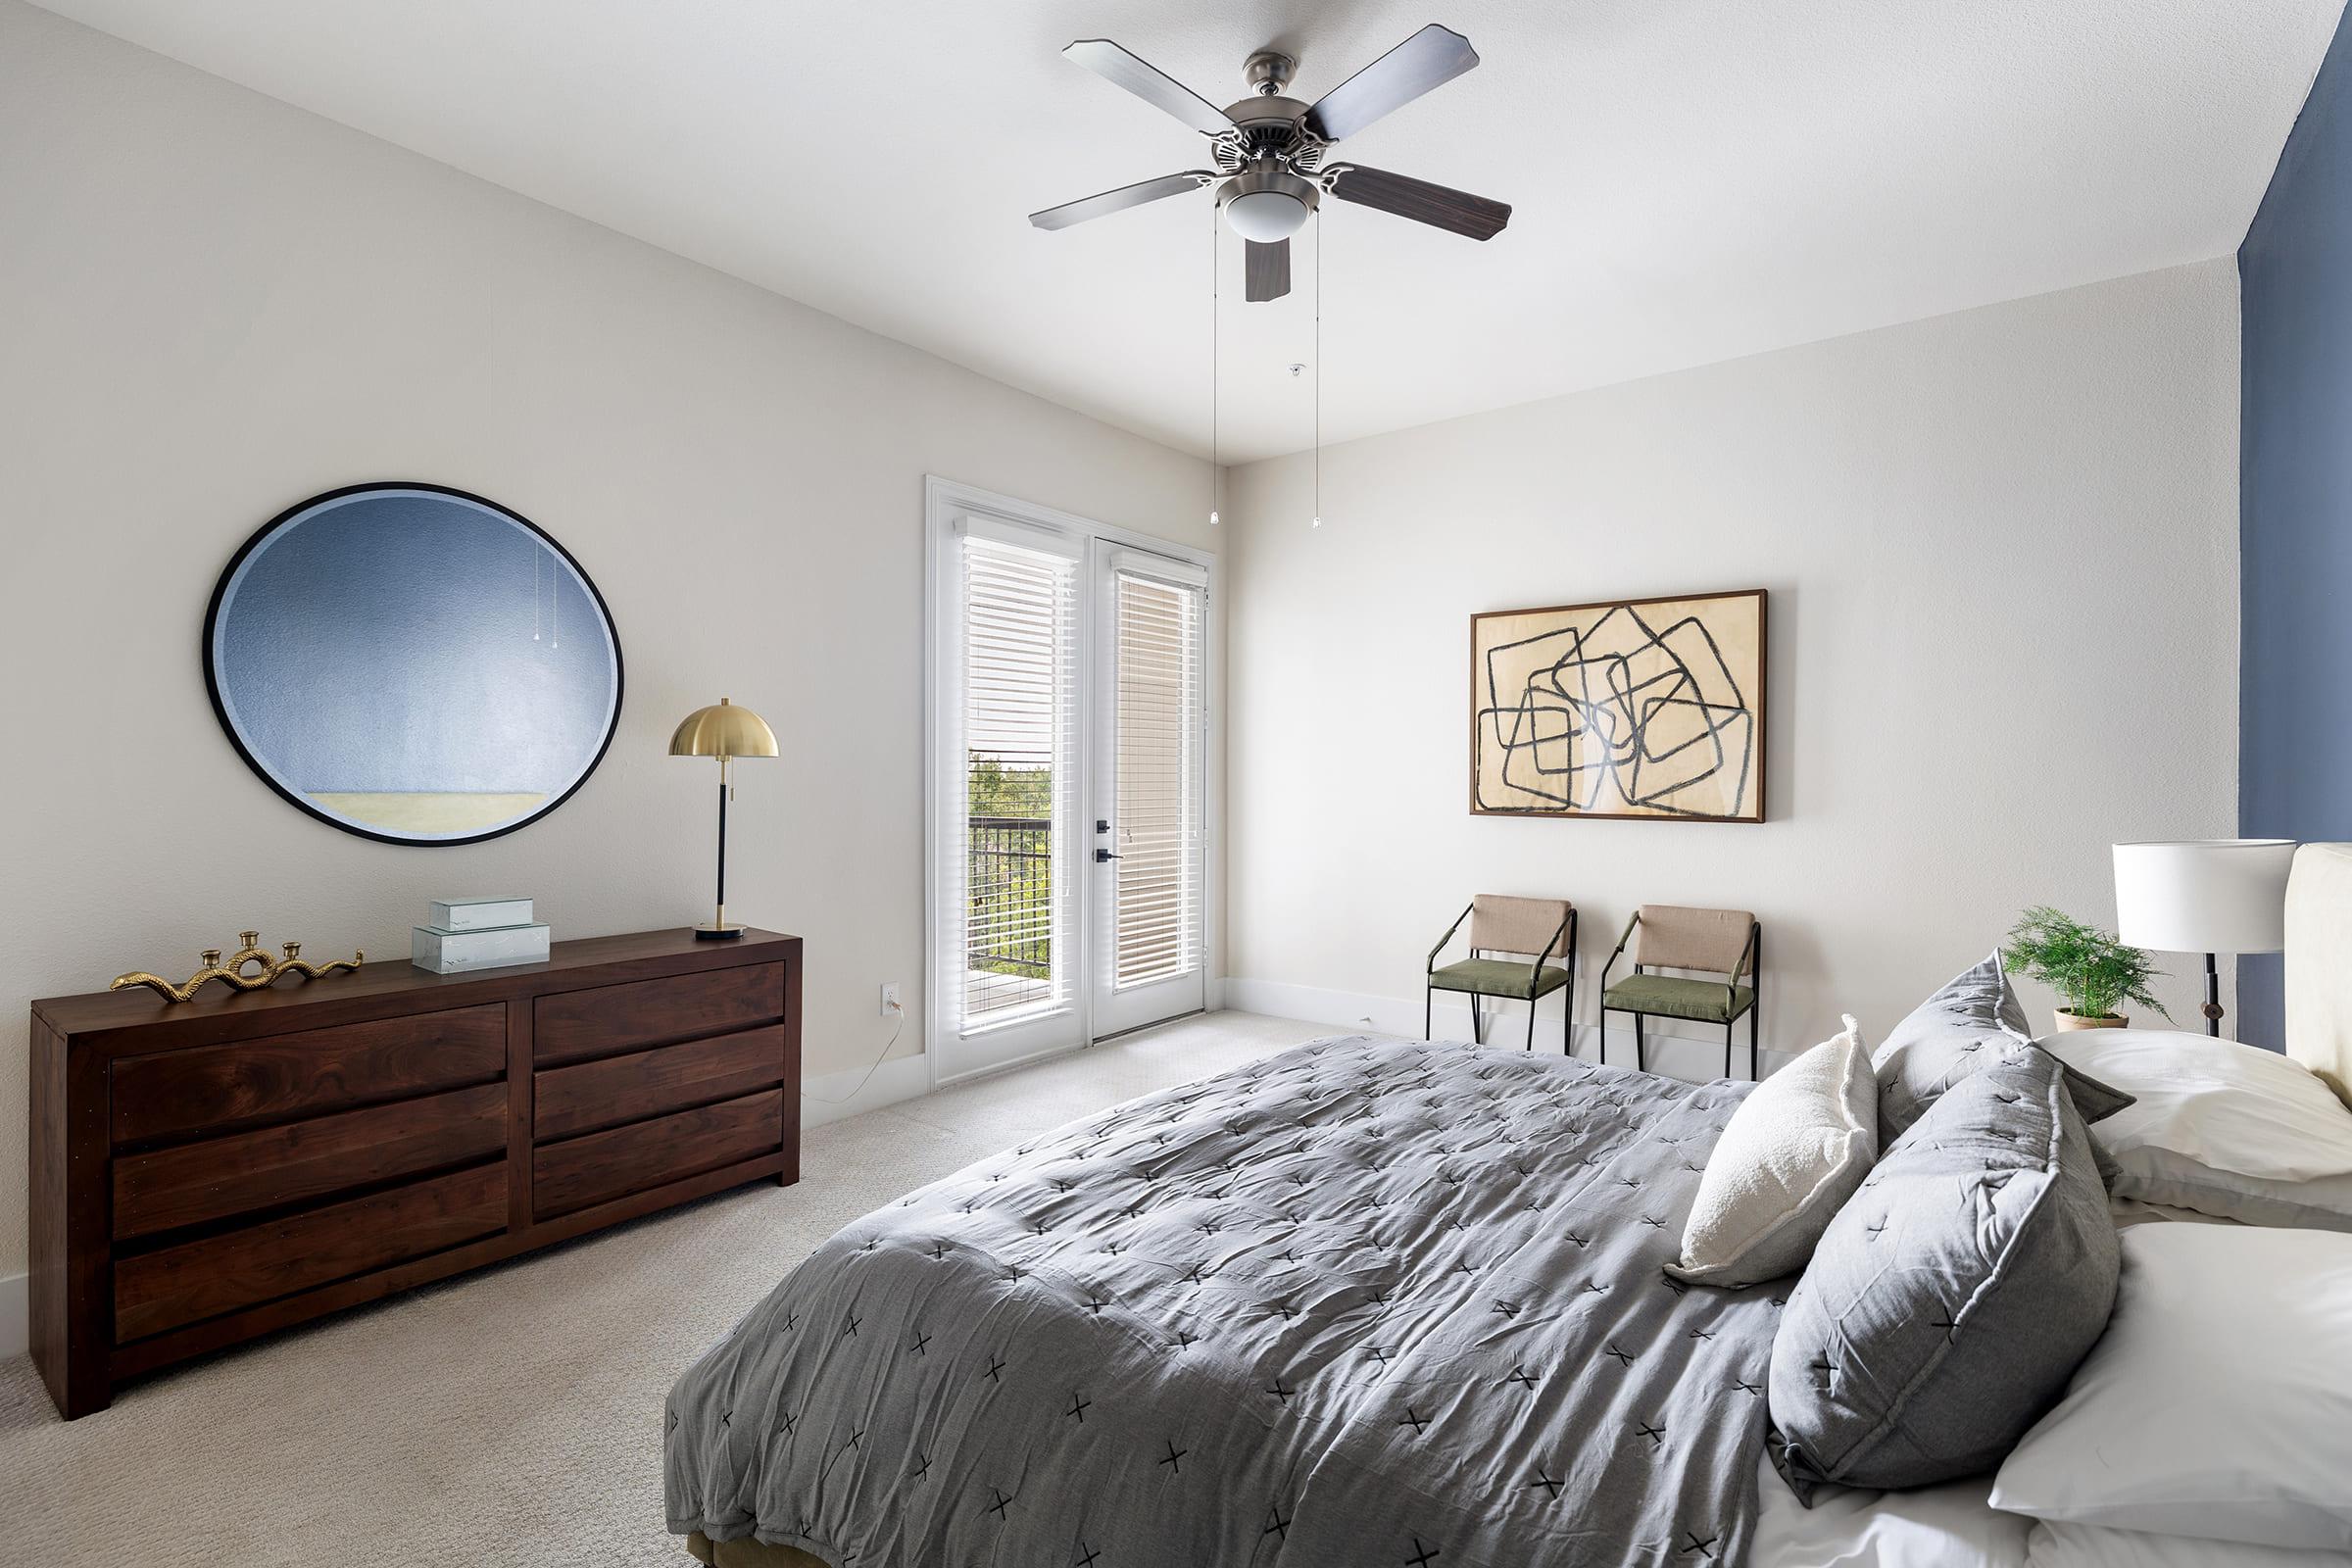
column 2089, row 1546
column 2217, row 1405
column 2218, row 1127
column 1789, row 1159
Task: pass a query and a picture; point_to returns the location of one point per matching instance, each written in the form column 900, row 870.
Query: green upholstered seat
column 1665, row 996
column 1498, row 977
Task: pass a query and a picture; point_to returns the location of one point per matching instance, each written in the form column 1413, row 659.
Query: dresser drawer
column 163, row 1289
column 220, row 1177
column 173, row 1093
column 592, row 1095
column 583, row 1171
column 577, row 1025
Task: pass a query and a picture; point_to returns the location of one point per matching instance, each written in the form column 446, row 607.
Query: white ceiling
column 1694, row 179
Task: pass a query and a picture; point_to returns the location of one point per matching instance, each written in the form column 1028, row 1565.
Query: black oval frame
column 261, row 536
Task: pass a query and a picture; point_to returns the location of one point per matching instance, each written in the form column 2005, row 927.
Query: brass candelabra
column 234, row 971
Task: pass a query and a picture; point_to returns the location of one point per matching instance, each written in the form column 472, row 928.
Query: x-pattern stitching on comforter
column 1362, row 1302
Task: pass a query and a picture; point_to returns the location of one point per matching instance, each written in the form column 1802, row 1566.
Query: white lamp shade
column 2203, row 894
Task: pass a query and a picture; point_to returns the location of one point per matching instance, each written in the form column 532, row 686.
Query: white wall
column 2002, row 548
column 213, row 305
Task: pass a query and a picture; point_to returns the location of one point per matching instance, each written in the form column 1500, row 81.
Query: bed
column 1364, row 1301
column 1281, row 1314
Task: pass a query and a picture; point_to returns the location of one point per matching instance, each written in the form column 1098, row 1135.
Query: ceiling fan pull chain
column 1318, row 523
column 1213, row 470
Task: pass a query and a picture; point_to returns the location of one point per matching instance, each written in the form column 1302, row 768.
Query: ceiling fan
column 1270, row 150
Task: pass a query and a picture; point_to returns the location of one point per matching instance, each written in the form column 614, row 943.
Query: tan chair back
column 1502, row 924
column 1672, row 937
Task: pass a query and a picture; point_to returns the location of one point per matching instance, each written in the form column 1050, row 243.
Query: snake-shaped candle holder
column 234, row 971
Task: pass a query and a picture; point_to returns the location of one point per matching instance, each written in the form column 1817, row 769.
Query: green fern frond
column 2088, row 966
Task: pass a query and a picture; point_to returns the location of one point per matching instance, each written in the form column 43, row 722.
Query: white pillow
column 2218, row 1127
column 2089, row 1546
column 1789, row 1159
column 2218, row 1403
column 1943, row 1525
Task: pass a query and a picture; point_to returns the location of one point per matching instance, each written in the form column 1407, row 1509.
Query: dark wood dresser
column 208, row 1171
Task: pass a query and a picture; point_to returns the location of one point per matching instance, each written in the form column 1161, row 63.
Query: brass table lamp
column 723, row 731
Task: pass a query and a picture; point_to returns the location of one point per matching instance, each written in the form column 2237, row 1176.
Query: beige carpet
column 428, row 1430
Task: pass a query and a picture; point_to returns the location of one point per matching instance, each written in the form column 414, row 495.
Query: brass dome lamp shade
column 722, row 731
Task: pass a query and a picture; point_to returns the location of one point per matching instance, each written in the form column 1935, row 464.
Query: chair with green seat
column 1725, row 942
column 1545, row 928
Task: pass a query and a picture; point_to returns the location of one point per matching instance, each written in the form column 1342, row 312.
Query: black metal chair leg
column 1753, row 1070
column 1727, row 1026
column 1531, row 1025
column 1568, row 1020
column 1429, row 998
column 1478, row 1022
column 1640, row 1061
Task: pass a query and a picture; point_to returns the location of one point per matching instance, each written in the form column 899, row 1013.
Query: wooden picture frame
column 1624, row 710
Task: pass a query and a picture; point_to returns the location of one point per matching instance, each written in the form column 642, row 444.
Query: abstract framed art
column 1647, row 709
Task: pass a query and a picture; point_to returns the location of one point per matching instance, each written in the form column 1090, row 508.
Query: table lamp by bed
column 2204, row 896
column 722, row 731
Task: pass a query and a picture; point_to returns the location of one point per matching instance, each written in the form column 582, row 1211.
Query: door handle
column 1104, row 854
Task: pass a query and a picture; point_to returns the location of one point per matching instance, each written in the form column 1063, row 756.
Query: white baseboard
column 899, row 1078
column 1683, row 1051
column 16, row 1322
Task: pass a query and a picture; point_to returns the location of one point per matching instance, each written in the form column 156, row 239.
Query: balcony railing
column 1009, row 921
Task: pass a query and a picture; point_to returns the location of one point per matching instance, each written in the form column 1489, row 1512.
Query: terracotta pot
column 2075, row 1020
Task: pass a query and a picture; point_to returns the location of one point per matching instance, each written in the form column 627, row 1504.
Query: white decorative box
column 446, row 951
column 480, row 914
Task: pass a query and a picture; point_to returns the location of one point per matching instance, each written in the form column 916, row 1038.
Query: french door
column 1067, row 845
column 1149, row 740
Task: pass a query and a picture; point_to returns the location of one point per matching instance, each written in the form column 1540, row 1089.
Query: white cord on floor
column 870, row 1071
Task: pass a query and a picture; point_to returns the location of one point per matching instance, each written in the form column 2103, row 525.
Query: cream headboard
column 2319, row 964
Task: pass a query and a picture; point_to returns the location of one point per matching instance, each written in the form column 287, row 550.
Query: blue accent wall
column 2295, row 520
column 406, row 642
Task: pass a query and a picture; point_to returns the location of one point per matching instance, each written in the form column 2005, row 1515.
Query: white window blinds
column 1157, row 735
column 1019, row 742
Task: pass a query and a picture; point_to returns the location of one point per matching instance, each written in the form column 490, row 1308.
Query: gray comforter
column 1364, row 1303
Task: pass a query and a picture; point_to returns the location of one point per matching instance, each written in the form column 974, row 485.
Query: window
column 1019, row 660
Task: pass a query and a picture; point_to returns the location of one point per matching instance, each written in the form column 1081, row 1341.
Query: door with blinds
column 1149, row 742
column 1008, row 875
column 1068, row 723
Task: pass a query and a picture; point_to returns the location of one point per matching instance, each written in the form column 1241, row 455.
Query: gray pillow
column 1972, row 1022
column 1953, row 1294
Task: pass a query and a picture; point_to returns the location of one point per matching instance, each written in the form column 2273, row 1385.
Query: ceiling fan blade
column 1114, row 201
column 1438, row 206
column 1150, row 83
column 1268, row 273
column 1429, row 59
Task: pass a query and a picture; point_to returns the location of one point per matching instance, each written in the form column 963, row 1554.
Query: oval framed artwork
column 413, row 663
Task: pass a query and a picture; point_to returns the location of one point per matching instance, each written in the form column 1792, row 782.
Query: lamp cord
column 870, row 1071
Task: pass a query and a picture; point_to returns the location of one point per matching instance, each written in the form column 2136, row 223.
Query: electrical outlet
column 891, row 1005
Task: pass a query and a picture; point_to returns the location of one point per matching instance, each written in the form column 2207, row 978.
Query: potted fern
column 2095, row 972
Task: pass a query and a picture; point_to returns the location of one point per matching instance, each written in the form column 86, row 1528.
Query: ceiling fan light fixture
column 1263, row 217
column 1266, row 207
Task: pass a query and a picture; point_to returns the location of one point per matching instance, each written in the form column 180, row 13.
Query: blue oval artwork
column 413, row 663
